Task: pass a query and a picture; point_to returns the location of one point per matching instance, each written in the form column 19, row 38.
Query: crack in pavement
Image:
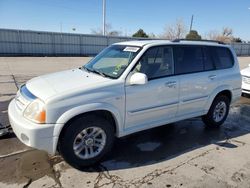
column 104, row 173
column 7, row 95
column 239, row 142
column 56, row 174
column 14, row 79
column 28, row 183
column 116, row 180
column 16, row 153
column 207, row 170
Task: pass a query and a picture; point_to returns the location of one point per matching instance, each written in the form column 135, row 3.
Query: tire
column 76, row 141
column 214, row 119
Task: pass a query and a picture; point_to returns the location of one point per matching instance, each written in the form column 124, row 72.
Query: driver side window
column 156, row 62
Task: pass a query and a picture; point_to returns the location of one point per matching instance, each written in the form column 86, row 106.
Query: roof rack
column 215, row 41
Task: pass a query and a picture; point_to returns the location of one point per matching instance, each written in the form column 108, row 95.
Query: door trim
column 153, row 108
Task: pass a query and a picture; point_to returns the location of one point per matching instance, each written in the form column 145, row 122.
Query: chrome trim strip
column 194, row 99
column 152, row 108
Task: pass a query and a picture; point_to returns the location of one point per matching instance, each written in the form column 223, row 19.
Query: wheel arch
column 103, row 110
column 223, row 90
column 226, row 93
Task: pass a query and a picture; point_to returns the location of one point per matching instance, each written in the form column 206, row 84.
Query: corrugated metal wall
column 35, row 43
column 242, row 49
column 20, row 42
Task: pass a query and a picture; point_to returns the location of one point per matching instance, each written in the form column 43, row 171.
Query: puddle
column 149, row 146
column 28, row 167
column 34, row 165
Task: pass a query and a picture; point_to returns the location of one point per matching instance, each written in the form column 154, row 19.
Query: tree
column 226, row 35
column 140, row 33
column 109, row 31
column 177, row 30
column 237, row 39
column 193, row 35
column 152, row 35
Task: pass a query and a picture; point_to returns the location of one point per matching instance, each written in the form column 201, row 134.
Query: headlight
column 35, row 111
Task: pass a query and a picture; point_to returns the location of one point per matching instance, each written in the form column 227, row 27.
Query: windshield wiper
column 100, row 73
column 96, row 71
column 85, row 68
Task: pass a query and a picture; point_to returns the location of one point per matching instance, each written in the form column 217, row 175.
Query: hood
column 245, row 72
column 49, row 85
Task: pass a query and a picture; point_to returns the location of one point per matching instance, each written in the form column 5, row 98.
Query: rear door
column 197, row 76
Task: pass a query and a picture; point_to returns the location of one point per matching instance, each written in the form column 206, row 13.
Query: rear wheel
column 86, row 141
column 218, row 112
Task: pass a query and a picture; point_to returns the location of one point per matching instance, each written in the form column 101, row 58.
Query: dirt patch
column 243, row 100
column 238, row 177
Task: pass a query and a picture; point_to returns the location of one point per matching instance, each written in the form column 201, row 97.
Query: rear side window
column 208, row 61
column 188, row 59
column 222, row 57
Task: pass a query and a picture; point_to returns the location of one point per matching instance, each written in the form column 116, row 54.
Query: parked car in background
column 246, row 80
column 129, row 87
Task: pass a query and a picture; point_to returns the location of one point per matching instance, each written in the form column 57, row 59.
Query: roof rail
column 215, row 41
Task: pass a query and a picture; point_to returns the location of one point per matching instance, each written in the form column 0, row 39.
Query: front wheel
column 86, row 141
column 218, row 112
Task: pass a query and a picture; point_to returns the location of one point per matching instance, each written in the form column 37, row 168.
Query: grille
column 23, row 98
column 21, row 102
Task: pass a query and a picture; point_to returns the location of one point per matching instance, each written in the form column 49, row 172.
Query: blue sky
column 126, row 15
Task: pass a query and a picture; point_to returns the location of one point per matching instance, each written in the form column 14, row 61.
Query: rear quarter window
column 222, row 57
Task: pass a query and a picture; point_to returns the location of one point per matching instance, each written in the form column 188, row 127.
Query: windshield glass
column 112, row 61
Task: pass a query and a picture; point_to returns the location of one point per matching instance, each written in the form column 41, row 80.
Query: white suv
column 246, row 80
column 128, row 87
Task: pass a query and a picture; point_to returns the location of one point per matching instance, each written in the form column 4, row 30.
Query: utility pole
column 191, row 24
column 60, row 27
column 104, row 17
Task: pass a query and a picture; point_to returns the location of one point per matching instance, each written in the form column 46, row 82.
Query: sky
column 126, row 16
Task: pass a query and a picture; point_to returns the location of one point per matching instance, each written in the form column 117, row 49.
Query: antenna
column 191, row 24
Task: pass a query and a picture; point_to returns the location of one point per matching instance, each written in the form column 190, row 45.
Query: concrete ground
column 184, row 154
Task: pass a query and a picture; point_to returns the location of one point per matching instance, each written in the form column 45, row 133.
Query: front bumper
column 245, row 88
column 39, row 136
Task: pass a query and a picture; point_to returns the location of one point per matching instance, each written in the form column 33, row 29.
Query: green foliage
column 239, row 40
column 193, row 35
column 140, row 33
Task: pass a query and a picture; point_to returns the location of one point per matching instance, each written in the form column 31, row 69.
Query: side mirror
column 138, row 79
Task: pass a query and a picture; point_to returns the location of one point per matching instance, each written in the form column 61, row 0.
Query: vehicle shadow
column 166, row 142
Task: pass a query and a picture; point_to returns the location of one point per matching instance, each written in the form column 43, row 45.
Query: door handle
column 171, row 84
column 212, row 77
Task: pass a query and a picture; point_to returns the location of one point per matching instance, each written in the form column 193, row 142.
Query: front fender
column 65, row 117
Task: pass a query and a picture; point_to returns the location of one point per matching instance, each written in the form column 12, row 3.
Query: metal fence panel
column 40, row 43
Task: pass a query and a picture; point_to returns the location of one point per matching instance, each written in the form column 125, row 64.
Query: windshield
column 112, row 61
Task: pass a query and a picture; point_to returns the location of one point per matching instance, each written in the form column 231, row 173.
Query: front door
column 156, row 102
